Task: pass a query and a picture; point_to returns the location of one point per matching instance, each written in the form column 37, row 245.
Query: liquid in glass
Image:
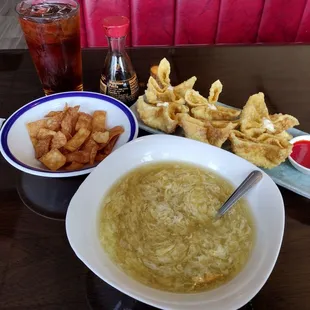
column 52, row 33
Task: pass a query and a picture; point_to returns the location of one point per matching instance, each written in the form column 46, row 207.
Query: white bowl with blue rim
column 15, row 143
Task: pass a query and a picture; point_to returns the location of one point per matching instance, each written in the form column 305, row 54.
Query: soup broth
column 157, row 224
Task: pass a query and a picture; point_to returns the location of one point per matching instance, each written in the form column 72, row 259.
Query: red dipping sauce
column 301, row 153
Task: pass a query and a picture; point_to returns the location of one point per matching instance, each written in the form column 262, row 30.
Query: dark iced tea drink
column 52, row 32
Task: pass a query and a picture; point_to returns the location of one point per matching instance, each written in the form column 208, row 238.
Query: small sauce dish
column 300, row 156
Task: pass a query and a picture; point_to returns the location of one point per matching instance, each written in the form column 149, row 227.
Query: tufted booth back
column 185, row 22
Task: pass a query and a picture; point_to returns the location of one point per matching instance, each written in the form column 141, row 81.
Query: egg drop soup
column 157, row 223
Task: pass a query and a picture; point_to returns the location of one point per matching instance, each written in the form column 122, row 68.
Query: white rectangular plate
column 284, row 175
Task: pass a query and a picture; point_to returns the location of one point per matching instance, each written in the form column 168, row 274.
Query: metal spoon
column 253, row 178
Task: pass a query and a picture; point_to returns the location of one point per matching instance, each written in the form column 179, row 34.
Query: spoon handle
column 253, row 178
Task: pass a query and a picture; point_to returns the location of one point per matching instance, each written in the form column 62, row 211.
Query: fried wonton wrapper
column 34, row 141
column 67, row 134
column 181, row 89
column 57, row 113
column 100, row 157
column 74, row 166
column 84, row 121
column 69, row 120
column 113, row 132
column 73, row 137
column 42, row 147
column 53, row 113
column 154, row 93
column 101, row 137
column 163, row 73
column 54, row 122
column 92, row 154
column 205, row 112
column 44, row 133
column 267, row 151
column 162, row 117
column 253, row 115
column 215, row 90
column 204, row 131
column 98, row 122
column 91, row 147
column 153, row 84
column 224, row 123
column 151, row 96
column 255, row 119
column 53, row 160
column 59, row 140
column 284, row 135
column 89, row 144
column 108, row 147
column 34, row 127
column 282, row 122
column 77, row 140
column 194, row 99
column 81, row 157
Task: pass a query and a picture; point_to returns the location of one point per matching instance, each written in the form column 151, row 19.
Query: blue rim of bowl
column 12, row 119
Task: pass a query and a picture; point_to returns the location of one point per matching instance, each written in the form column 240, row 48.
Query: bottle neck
column 117, row 45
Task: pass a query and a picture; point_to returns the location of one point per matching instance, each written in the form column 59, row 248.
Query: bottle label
column 103, row 86
column 125, row 90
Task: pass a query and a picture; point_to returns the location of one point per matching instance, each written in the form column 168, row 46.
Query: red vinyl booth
column 187, row 22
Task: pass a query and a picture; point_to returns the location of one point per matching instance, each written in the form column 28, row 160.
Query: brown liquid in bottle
column 118, row 78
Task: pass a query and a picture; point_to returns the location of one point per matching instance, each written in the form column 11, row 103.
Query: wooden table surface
column 38, row 269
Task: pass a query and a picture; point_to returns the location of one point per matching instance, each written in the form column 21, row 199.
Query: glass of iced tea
column 52, row 32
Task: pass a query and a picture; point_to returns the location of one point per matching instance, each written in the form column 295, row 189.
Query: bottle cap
column 116, row 26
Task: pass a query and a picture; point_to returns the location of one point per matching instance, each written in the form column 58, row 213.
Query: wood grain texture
column 38, row 269
column 11, row 34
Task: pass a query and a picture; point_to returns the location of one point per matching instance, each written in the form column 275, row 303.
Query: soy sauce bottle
column 118, row 78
